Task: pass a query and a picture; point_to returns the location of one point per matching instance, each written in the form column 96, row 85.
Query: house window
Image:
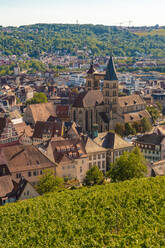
column 37, row 161
column 29, row 173
column 94, row 157
column 18, row 175
column 90, row 157
column 35, row 173
column 99, row 156
column 99, row 164
column 103, row 164
column 82, row 161
column 80, row 169
column 28, row 192
column 40, row 172
column 103, row 155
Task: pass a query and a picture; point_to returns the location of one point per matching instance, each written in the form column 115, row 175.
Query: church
column 99, row 107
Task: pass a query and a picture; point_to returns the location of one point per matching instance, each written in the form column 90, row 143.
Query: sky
column 107, row 12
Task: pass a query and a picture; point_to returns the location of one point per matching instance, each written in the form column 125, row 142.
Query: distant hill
column 129, row 214
column 68, row 38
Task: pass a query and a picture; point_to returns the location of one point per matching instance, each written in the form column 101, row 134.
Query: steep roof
column 23, row 158
column 42, row 111
column 89, row 99
column 152, row 138
column 22, row 127
column 111, row 140
column 47, row 127
column 6, row 185
column 110, row 71
column 126, row 101
column 92, row 146
column 136, row 116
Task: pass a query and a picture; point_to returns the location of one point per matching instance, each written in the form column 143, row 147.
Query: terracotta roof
column 6, row 185
column 23, row 158
column 89, row 99
column 92, row 146
column 110, row 71
column 42, row 111
column 126, row 101
column 22, row 127
column 47, row 127
column 111, row 140
column 136, row 116
column 66, row 149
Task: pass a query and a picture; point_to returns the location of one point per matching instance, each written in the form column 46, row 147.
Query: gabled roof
column 24, row 158
column 42, row 111
column 47, row 127
column 126, row 101
column 6, row 185
column 89, row 99
column 110, row 71
column 111, row 140
column 22, row 127
column 136, row 116
column 92, row 146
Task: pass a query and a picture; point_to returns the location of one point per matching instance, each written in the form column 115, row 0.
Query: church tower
column 110, row 87
column 92, row 83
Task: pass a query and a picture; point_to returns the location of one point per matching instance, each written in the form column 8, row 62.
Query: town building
column 152, row 146
column 114, row 145
column 101, row 105
column 26, row 161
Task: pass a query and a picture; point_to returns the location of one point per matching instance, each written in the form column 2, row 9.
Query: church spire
column 91, row 69
column 110, row 71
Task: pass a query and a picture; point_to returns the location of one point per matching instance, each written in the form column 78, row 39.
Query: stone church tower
column 92, row 82
column 110, row 87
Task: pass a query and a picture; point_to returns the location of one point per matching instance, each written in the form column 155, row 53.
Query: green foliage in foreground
column 128, row 166
column 94, row 176
column 129, row 214
column 49, row 183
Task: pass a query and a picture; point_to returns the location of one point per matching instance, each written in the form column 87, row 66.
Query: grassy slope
column 160, row 32
column 129, row 214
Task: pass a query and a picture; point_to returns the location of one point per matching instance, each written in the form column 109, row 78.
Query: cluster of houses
column 69, row 134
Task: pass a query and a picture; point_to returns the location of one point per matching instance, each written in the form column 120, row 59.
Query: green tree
column 146, row 125
column 94, row 176
column 129, row 129
column 128, row 166
column 38, row 98
column 154, row 112
column 159, row 105
column 120, row 129
column 48, row 182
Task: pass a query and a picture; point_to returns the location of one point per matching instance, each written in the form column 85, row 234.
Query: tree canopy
column 48, row 182
column 38, row 98
column 128, row 166
column 94, row 176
